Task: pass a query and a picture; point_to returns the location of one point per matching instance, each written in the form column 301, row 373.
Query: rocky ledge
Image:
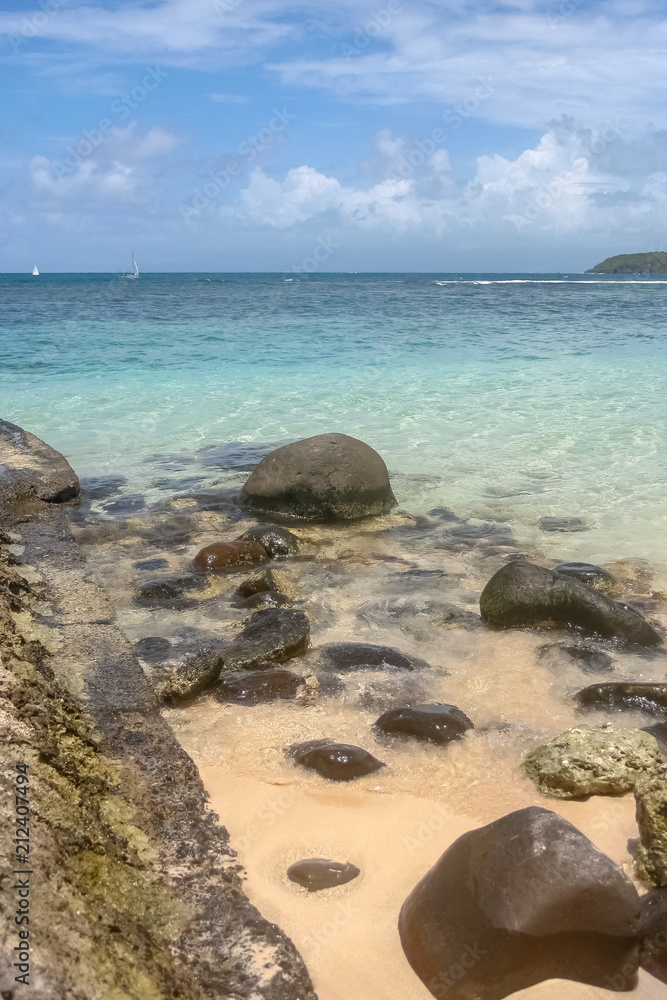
column 137, row 891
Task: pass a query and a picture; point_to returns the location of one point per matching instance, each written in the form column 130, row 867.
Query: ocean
column 504, row 397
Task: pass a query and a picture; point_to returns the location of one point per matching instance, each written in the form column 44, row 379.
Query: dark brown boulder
column 438, row 723
column 341, row 657
column 29, row 467
column 278, row 542
column 272, row 634
column 229, row 557
column 252, row 686
column 524, row 899
column 329, row 477
column 624, row 695
column 337, row 761
column 319, row 873
column 522, row 595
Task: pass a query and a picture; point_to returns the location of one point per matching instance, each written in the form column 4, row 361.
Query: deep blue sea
column 505, row 396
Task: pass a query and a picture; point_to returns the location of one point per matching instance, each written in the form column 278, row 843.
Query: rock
column 163, row 590
column 180, row 679
column 337, row 761
column 562, row 524
column 278, row 542
column 151, row 564
column 653, row 954
column 329, row 477
column 589, row 660
column 584, row 761
column 319, row 873
column 343, row 656
column 438, row 723
column 272, row 634
column 128, row 504
column 228, row 557
column 30, row 467
column 522, row 900
column 522, row 595
column 153, row 649
column 267, row 580
column 651, row 799
column 101, row 487
column 252, row 686
column 622, row 695
column 592, row 575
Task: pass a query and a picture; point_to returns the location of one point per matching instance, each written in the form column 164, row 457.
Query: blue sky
column 225, row 135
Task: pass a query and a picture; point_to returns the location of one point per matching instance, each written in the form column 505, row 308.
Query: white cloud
column 120, row 168
column 560, row 186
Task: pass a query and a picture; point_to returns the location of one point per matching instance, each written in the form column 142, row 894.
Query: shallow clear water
column 503, row 396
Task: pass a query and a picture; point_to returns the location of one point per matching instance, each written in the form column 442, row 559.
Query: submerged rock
column 226, row 557
column 337, row 761
column 624, row 695
column 252, row 686
column 588, row 659
column 184, row 677
column 168, row 590
column 329, row 477
column 319, row 873
column 584, row 761
column 653, row 955
column 268, row 581
column 522, row 595
column 343, row 656
column 593, row 576
column 272, row 634
column 266, row 599
column 522, row 900
column 438, row 723
column 278, row 542
column 562, row 524
column 30, row 467
column 651, row 799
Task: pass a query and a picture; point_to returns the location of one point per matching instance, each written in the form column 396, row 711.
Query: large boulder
column 584, row 761
column 651, row 799
column 272, row 635
column 28, row 467
column 522, row 595
column 329, row 477
column 618, row 696
column 524, row 899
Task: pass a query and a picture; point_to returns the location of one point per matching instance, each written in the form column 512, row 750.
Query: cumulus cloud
column 116, row 166
column 561, row 185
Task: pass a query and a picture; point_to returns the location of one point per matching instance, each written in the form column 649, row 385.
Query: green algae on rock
column 592, row 761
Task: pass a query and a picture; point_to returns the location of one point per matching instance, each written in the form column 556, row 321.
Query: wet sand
column 412, row 583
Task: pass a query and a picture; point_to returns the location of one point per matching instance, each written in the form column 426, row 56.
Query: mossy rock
column 584, row 761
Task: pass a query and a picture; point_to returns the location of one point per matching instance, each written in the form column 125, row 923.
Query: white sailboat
column 35, row 271
column 134, row 273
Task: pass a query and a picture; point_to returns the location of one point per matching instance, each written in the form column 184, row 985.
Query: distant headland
column 633, row 263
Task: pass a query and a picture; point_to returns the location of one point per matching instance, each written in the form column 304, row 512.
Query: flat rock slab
column 522, row 900
column 437, row 723
column 587, row 658
column 250, row 687
column 341, row 657
column 584, row 761
column 320, row 873
column 336, row 761
column 624, row 696
column 270, row 635
column 329, row 477
column 522, row 595
column 29, row 467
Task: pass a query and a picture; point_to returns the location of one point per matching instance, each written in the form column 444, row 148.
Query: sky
column 351, row 135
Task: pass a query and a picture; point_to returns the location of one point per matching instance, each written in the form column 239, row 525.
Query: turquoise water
column 507, row 396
